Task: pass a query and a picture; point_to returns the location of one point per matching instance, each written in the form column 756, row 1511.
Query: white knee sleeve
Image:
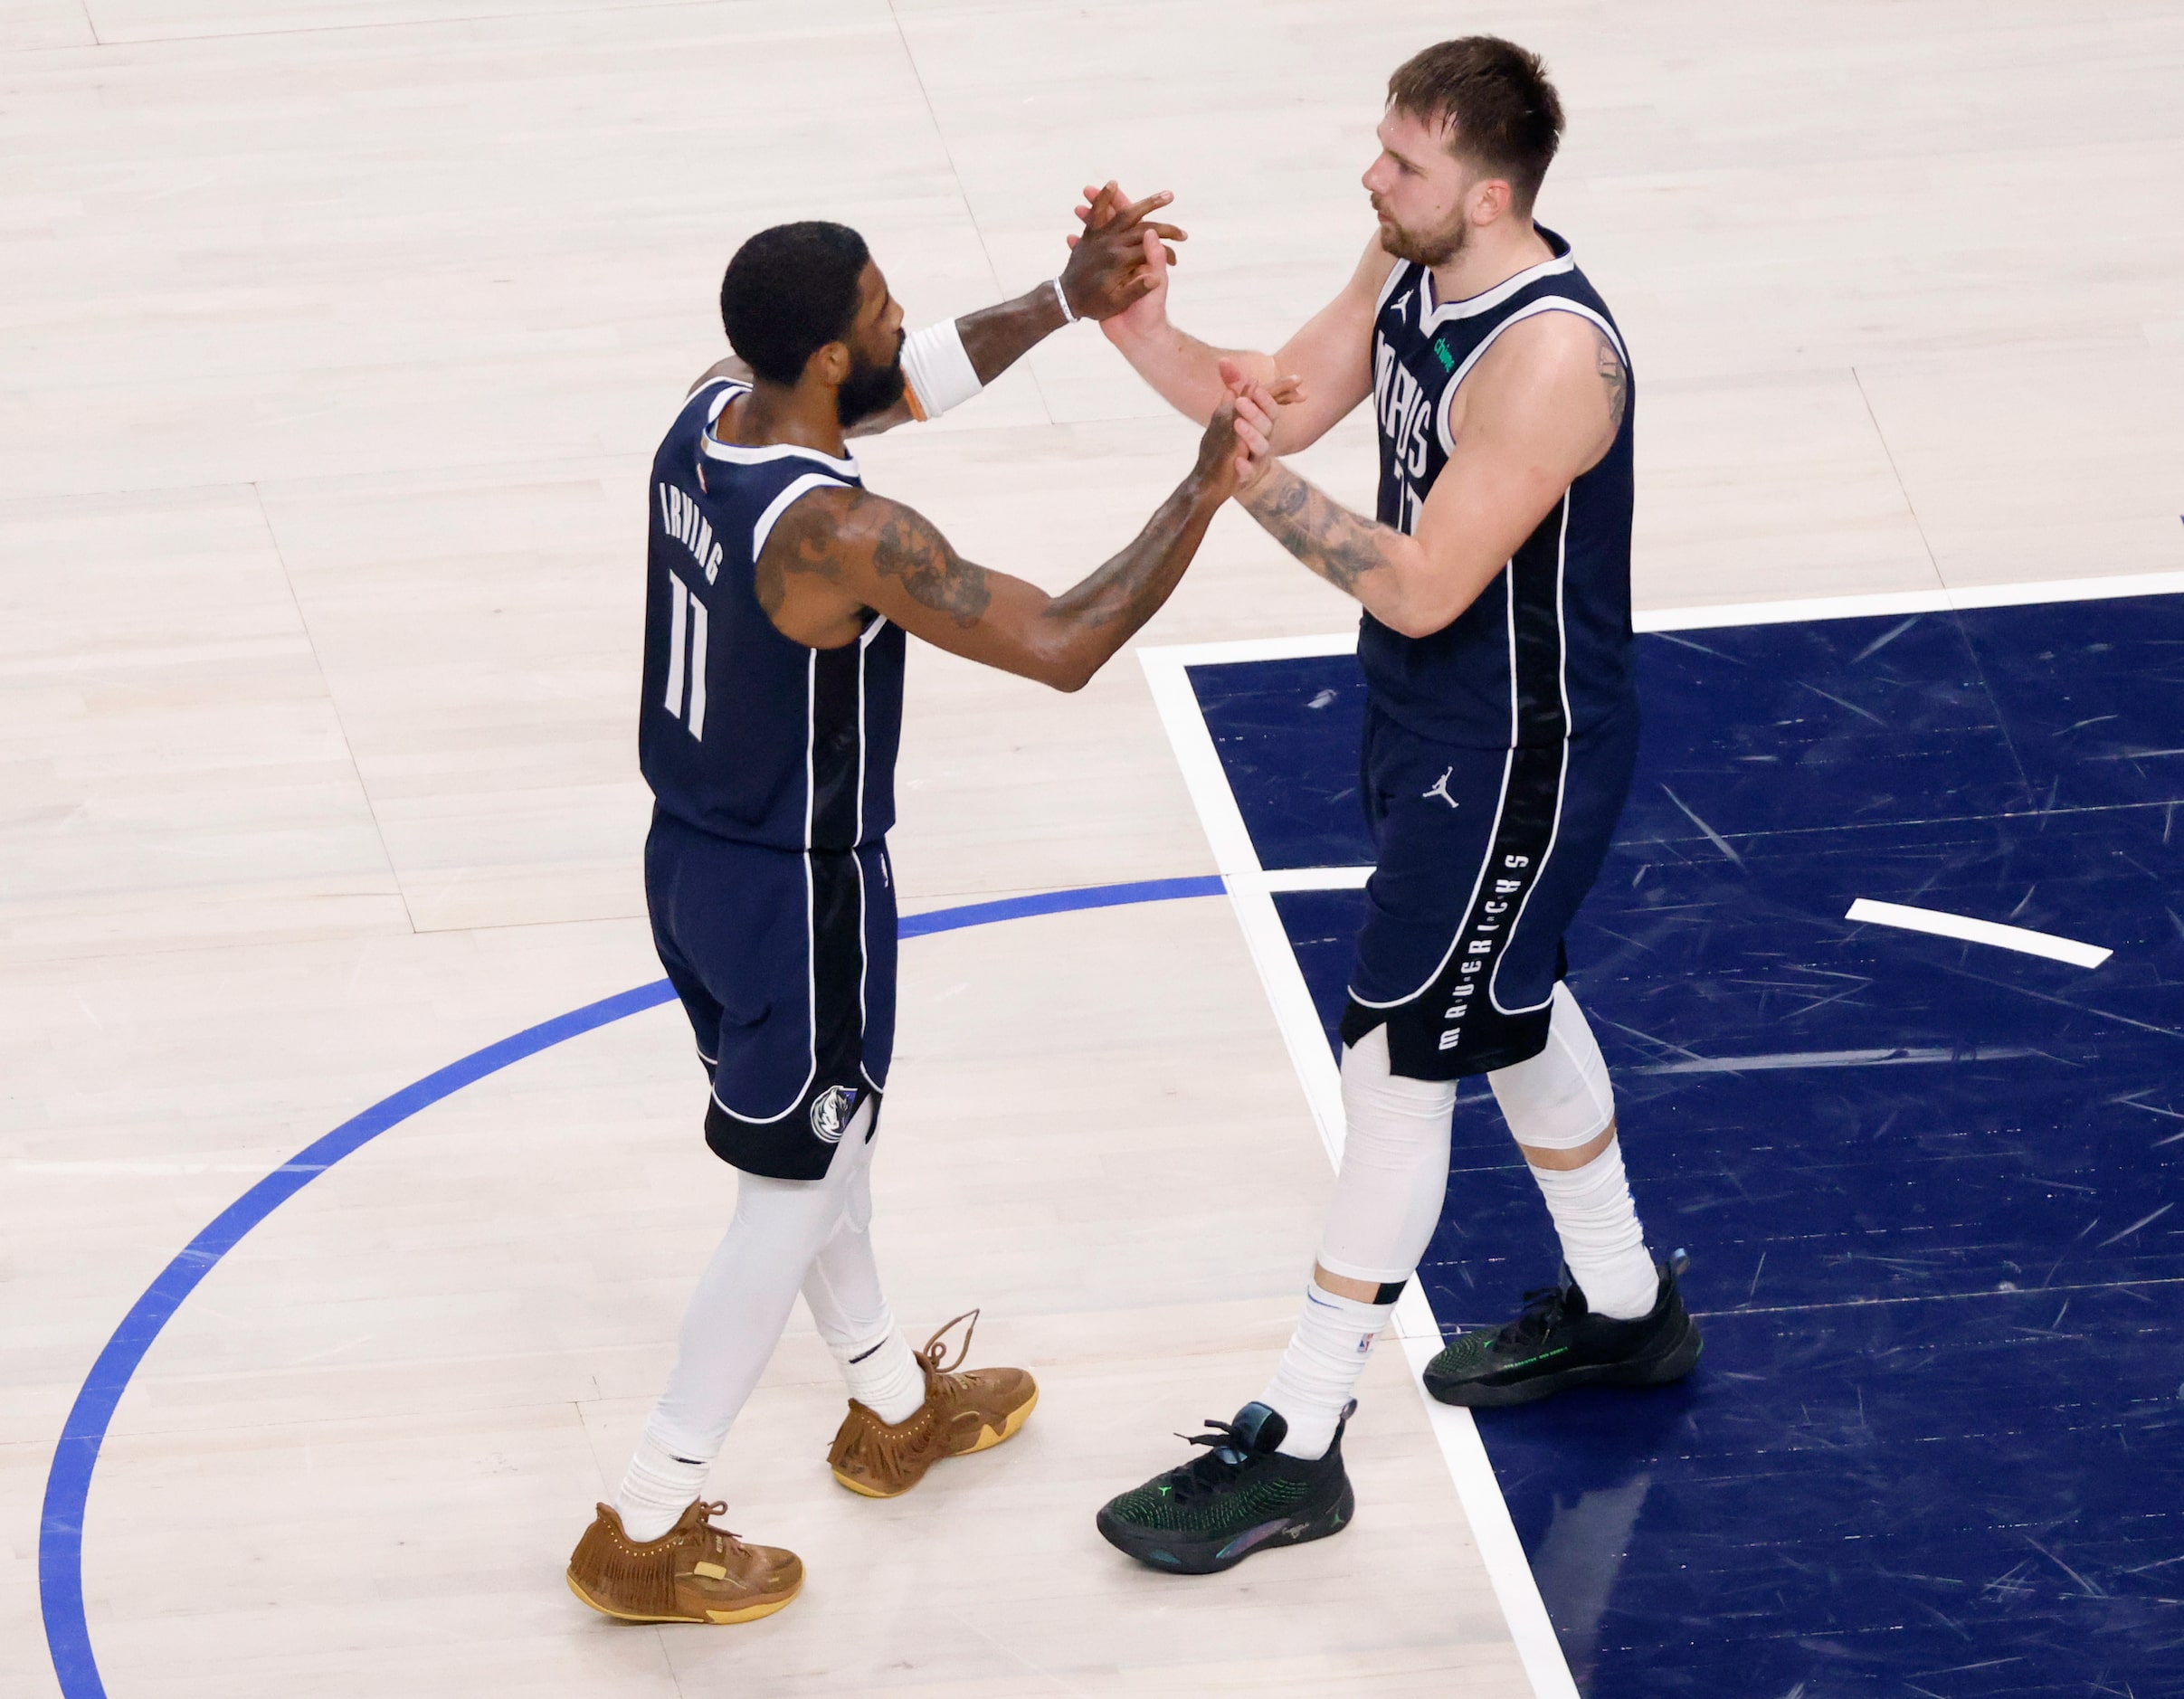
column 1395, row 1167
column 1561, row 1099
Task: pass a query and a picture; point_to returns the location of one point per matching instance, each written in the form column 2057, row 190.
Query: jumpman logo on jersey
column 1401, row 301
column 1441, row 789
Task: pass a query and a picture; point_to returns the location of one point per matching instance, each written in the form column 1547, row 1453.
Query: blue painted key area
column 1930, row 1189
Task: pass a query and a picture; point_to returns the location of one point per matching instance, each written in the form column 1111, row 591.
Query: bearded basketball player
column 1501, row 728
column 781, row 591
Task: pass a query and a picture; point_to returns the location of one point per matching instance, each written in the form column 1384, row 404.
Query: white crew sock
column 656, row 1488
column 883, row 1374
column 1602, row 1241
column 1319, row 1371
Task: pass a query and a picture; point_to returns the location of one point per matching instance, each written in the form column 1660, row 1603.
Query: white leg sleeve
column 1561, row 1099
column 1395, row 1167
column 744, row 1298
column 1387, row 1202
column 843, row 1286
column 845, row 1298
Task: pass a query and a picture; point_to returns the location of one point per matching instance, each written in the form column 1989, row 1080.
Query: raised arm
column 1318, row 376
column 839, row 552
column 1541, row 406
column 1103, row 275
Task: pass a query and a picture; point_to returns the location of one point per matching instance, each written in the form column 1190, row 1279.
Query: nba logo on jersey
column 830, row 1112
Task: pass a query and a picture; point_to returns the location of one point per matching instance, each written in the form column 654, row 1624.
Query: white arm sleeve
column 941, row 374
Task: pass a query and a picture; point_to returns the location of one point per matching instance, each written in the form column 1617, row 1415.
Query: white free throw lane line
column 1251, row 890
column 1942, row 925
column 1828, row 1058
column 1783, row 613
column 1316, row 878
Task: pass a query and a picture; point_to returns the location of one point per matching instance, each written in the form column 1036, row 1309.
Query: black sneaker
column 1558, row 1342
column 1241, row 1496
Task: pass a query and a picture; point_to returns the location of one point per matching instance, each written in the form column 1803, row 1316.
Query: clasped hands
column 1129, row 253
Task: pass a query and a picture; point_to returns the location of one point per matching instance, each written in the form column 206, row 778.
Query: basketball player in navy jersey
column 1501, row 728
column 780, row 595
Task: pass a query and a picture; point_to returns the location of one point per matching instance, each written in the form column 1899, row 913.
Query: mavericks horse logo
column 830, row 1112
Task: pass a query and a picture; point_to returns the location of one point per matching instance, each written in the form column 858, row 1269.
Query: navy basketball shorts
column 1483, row 856
column 784, row 961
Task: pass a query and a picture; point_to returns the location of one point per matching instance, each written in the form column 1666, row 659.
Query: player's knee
column 1384, row 1106
column 1561, row 1099
column 1394, row 1171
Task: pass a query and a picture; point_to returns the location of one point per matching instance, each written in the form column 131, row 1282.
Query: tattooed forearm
column 1616, row 379
column 1131, row 587
column 911, row 550
column 1326, row 537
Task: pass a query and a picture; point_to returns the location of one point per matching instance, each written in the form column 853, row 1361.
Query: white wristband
column 941, row 374
column 1068, row 318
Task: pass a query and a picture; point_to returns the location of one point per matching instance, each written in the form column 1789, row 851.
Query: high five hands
column 1113, row 264
column 1120, row 262
column 1103, row 213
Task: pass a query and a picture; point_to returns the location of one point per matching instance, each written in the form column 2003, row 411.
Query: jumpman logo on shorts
column 1441, row 789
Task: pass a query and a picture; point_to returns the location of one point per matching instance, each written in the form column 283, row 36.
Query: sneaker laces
column 1225, row 1459
column 716, row 1541
column 1543, row 1311
column 940, row 1376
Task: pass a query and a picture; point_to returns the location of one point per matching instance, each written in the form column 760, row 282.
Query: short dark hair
column 788, row 293
column 1506, row 116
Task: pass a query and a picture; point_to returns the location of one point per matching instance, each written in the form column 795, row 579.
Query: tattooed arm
column 1542, row 407
column 838, row 555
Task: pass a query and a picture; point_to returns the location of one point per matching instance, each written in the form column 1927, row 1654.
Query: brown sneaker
column 963, row 1412
column 694, row 1573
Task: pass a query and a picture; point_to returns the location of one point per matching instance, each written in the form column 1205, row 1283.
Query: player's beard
column 1436, row 248
column 871, row 388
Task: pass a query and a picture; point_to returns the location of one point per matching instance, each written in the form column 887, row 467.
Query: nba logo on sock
column 1364, row 1344
column 830, row 1112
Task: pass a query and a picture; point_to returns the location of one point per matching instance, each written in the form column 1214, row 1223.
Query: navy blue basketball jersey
column 745, row 733
column 1545, row 651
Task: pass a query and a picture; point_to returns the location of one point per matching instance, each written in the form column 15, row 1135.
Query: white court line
column 1315, row 879
column 1910, row 601
column 1829, row 1058
column 1785, row 612
column 1945, row 926
column 1416, row 1327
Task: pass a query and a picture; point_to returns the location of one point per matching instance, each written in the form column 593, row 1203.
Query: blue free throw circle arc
column 68, row 1481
